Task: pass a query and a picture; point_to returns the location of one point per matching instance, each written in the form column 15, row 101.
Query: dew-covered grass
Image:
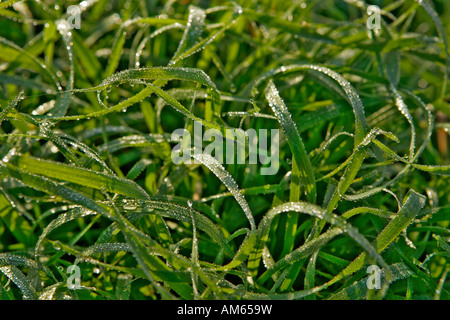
column 87, row 177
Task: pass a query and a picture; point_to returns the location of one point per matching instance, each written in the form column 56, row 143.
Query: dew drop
column 422, row 83
column 54, row 149
column 83, row 5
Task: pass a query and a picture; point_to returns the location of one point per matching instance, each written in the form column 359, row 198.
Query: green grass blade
column 193, row 31
column 358, row 290
column 59, row 221
column 300, row 253
column 88, row 178
column 154, row 73
column 116, row 53
column 294, row 140
column 212, row 164
column 10, row 107
column 51, row 187
column 21, row 281
column 412, row 205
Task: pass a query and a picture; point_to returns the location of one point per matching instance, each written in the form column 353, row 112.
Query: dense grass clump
column 87, row 177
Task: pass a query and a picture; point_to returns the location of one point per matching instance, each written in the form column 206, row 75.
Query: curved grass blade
column 83, row 147
column 358, row 291
column 355, row 162
column 393, row 74
column 407, row 168
column 144, row 93
column 219, row 171
column 237, row 11
column 243, row 252
column 150, row 263
column 20, row 52
column 9, row 259
column 147, row 140
column 361, row 126
column 155, row 73
column 147, row 261
column 179, row 212
column 63, row 218
column 21, row 281
column 180, row 108
column 155, row 33
column 300, row 253
column 161, row 74
column 105, row 248
column 312, row 210
column 193, row 31
column 212, row 164
column 137, row 169
column 412, row 205
column 295, row 141
column 10, row 106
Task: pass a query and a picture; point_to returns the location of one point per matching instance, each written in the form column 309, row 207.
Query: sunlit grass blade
column 192, row 33
column 93, row 96
column 155, row 73
column 212, row 164
column 88, row 178
column 315, row 211
column 295, row 141
column 59, row 221
column 21, row 281
column 7, row 259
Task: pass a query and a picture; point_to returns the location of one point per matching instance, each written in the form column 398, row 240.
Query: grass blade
column 294, row 140
column 88, row 178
